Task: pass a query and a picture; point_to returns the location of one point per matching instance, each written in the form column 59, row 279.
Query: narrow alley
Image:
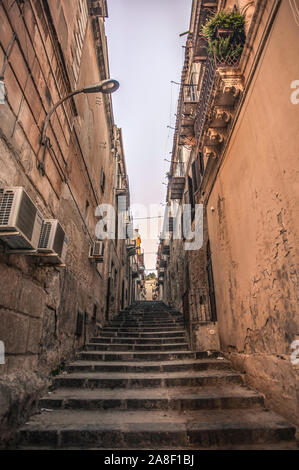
column 149, row 225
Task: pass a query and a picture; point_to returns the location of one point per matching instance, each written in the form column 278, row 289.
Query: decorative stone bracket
column 228, row 87
column 231, row 82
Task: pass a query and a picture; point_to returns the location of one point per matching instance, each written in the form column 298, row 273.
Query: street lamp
column 105, row 86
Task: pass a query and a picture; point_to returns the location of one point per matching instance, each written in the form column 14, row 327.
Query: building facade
column 48, row 311
column 236, row 152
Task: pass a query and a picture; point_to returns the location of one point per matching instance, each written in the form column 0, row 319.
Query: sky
column 145, row 54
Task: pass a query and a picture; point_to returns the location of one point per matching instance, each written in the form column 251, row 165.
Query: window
column 79, row 325
column 194, row 176
column 103, row 181
column 193, row 88
column 191, row 195
column 201, row 163
column 119, row 177
column 86, row 209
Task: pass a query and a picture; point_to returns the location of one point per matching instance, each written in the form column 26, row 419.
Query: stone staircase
column 138, row 386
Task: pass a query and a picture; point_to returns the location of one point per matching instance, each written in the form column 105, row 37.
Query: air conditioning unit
column 52, row 242
column 20, row 221
column 97, row 252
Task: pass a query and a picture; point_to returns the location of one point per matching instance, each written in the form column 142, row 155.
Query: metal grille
column 200, row 308
column 205, row 95
column 26, row 216
column 59, row 239
column 98, row 248
column 80, row 323
column 44, row 235
column 6, row 202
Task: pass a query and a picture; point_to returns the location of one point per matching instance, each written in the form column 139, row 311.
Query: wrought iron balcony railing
column 205, row 95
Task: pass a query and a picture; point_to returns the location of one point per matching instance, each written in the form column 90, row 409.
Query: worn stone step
column 154, row 429
column 156, row 315
column 137, row 329
column 144, row 318
column 158, row 366
column 142, row 356
column 141, row 380
column 124, row 334
column 153, row 399
column 130, row 340
column 142, row 324
column 135, row 347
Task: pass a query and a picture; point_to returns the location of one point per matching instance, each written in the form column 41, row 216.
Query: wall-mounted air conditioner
column 20, row 221
column 52, row 246
column 97, row 252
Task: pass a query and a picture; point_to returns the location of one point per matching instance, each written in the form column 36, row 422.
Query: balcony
column 208, row 9
column 221, row 89
column 177, row 187
column 131, row 247
column 166, row 247
column 98, row 8
column 134, row 269
column 161, row 272
column 121, row 191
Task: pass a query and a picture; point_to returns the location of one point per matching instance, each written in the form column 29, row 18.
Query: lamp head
column 105, row 86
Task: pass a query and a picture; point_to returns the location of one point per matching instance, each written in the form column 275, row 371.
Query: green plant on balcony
column 225, row 33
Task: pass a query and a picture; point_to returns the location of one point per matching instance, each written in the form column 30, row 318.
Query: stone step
column 124, row 334
column 149, row 316
column 135, row 347
column 153, row 399
column 142, row 324
column 137, row 329
column 154, row 429
column 141, row 380
column 142, row 356
column 167, row 366
column 130, row 340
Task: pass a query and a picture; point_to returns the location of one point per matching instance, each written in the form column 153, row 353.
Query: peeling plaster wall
column 254, row 228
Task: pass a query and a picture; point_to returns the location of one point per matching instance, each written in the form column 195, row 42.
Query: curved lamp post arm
column 105, row 86
column 52, row 110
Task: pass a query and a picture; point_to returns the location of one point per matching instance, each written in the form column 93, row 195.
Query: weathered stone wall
column 175, row 277
column 186, row 275
column 53, row 54
column 254, row 228
column 203, row 332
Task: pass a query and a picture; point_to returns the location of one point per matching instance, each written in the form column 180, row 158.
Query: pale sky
column 145, row 54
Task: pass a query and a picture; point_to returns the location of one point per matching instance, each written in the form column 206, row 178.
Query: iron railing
column 205, row 95
column 199, row 307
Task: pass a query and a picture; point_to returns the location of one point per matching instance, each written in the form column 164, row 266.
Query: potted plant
column 225, row 33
